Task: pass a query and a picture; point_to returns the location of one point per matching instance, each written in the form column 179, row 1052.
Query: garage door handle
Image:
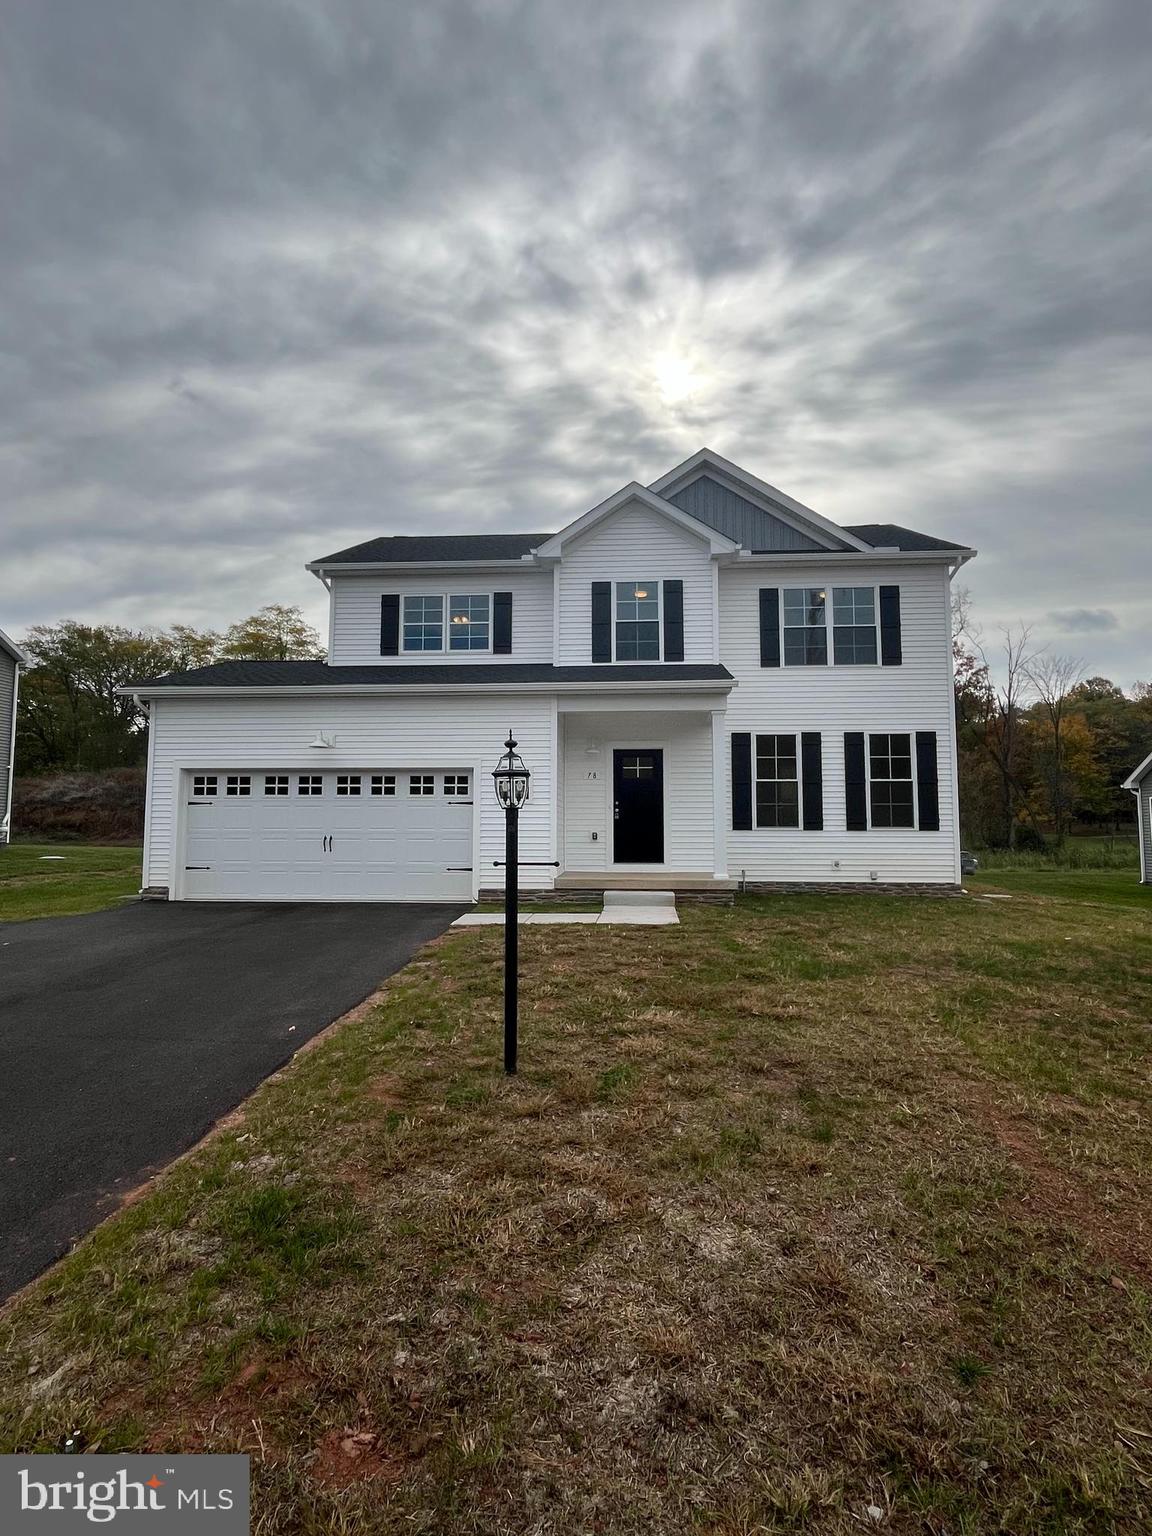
column 197, row 866
column 201, row 802
column 458, row 869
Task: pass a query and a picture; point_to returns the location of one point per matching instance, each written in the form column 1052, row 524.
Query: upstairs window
column 470, row 622
column 460, row 621
column 854, row 626
column 777, row 782
column 805, row 627
column 890, row 786
column 637, row 621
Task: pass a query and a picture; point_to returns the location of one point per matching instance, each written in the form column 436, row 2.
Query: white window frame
column 277, row 786
column 911, row 735
column 315, row 782
column 458, row 794
column 632, row 661
column 425, row 780
column 209, row 785
column 350, row 786
column 445, row 648
column 830, row 628
column 382, row 786
column 237, row 786
column 797, row 745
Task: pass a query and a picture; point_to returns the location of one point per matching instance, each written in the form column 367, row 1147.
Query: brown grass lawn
column 824, row 1215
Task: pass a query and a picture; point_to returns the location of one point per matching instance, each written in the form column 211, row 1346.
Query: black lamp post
column 511, row 779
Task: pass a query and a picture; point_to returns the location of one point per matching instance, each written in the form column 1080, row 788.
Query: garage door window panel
column 383, row 783
column 348, row 783
column 422, row 784
column 275, row 783
column 238, row 784
column 205, row 784
column 310, row 784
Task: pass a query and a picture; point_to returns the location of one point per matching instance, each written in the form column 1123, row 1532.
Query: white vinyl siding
column 916, row 696
column 7, row 714
column 355, row 626
column 1145, row 804
column 633, row 543
column 243, row 737
column 587, row 742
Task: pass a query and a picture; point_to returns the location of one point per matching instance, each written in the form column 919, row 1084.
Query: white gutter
column 351, row 567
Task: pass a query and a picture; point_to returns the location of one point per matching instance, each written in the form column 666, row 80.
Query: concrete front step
column 639, row 899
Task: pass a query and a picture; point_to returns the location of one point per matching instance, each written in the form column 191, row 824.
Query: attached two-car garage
column 374, row 834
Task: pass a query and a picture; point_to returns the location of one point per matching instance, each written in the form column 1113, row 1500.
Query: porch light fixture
column 511, row 780
column 320, row 740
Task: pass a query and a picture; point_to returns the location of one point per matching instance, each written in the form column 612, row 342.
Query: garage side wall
column 369, row 733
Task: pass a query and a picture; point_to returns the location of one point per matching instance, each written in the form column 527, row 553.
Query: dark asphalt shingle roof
column 418, row 548
column 448, row 546
column 318, row 674
column 892, row 534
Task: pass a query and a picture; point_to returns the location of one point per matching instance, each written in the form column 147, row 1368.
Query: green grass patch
column 64, row 879
column 1108, row 887
column 807, row 1206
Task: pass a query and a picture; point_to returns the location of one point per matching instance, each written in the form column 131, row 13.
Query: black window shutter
column 501, row 623
column 390, row 624
column 601, row 621
column 769, row 626
column 855, row 783
column 742, row 781
column 890, row 650
column 673, row 621
column 812, row 777
column 927, row 781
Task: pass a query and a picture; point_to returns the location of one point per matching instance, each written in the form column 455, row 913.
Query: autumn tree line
column 1042, row 747
column 70, row 718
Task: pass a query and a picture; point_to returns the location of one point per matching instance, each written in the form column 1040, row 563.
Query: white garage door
column 263, row 835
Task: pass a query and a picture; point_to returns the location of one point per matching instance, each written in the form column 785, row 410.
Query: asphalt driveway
column 125, row 1035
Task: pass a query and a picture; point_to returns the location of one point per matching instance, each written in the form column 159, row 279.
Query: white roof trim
column 802, row 518
column 717, row 542
column 350, row 567
column 1136, row 777
column 14, row 650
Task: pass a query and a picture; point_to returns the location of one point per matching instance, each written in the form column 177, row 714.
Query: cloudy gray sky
column 279, row 275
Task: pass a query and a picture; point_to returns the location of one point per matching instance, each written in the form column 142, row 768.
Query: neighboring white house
column 1140, row 783
column 709, row 682
column 12, row 658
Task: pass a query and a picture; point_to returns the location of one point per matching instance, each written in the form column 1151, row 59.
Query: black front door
column 638, row 805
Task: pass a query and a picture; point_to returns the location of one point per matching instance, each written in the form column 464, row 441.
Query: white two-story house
column 709, row 682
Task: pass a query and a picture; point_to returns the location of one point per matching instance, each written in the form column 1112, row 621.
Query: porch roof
column 493, row 677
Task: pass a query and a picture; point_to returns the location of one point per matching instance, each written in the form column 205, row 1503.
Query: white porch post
column 719, row 799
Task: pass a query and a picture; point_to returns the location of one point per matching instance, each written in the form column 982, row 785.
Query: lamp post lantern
column 511, row 780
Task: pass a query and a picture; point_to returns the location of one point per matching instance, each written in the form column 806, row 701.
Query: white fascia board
column 422, row 690
column 1137, row 776
column 858, row 557
column 371, row 567
column 808, row 521
column 14, row 650
column 717, row 542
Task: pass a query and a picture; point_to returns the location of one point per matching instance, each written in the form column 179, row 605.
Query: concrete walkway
column 644, row 908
